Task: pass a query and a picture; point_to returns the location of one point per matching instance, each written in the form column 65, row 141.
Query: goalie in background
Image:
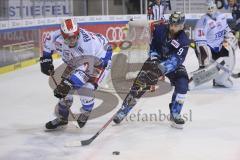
column 215, row 45
column 168, row 49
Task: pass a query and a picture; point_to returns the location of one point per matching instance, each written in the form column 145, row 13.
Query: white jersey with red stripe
column 209, row 31
column 89, row 44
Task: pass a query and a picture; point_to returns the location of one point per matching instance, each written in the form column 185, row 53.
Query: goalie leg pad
column 204, row 55
column 223, row 77
column 203, row 75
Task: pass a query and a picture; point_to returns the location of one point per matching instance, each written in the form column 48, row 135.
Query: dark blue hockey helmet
column 177, row 18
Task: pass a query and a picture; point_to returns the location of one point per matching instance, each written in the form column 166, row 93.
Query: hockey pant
column 84, row 86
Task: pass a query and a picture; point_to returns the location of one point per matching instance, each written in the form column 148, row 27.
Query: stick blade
column 86, row 142
column 79, row 143
column 73, row 144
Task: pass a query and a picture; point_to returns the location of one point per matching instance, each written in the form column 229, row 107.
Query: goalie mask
column 176, row 22
column 211, row 9
column 70, row 32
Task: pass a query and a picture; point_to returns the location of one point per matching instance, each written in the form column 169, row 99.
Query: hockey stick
column 90, row 140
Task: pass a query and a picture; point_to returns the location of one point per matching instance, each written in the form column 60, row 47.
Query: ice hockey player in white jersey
column 215, row 46
column 76, row 44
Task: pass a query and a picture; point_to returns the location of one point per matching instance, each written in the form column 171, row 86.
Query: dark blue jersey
column 170, row 51
column 236, row 15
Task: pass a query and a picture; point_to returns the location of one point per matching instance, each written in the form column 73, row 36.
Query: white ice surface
column 27, row 103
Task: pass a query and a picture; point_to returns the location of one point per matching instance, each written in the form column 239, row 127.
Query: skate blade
column 73, row 144
column 177, row 126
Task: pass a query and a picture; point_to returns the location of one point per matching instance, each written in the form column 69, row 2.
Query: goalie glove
column 231, row 39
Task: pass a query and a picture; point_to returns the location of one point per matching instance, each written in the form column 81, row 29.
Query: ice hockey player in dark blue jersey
column 235, row 5
column 167, row 53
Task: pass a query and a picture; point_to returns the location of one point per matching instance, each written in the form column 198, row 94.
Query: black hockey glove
column 46, row 65
column 62, row 89
column 150, row 72
column 157, row 68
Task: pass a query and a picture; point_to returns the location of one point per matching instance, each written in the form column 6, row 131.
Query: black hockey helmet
column 177, row 18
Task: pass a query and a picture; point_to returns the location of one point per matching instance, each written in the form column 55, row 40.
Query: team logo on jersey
column 175, row 43
column 67, row 56
column 211, row 25
column 86, row 37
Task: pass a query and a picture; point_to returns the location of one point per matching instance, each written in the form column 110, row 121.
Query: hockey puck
column 116, row 153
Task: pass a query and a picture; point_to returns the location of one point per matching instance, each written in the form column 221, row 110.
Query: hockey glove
column 231, row 39
column 46, row 65
column 150, row 72
column 63, row 89
column 157, row 67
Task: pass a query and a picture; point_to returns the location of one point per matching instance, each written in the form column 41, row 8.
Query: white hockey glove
column 231, row 40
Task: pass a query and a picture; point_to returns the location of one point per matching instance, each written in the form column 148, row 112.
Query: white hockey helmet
column 70, row 32
column 211, row 8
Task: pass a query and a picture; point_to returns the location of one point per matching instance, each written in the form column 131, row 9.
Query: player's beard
column 174, row 30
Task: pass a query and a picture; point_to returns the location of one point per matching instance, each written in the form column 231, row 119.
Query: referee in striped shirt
column 156, row 10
